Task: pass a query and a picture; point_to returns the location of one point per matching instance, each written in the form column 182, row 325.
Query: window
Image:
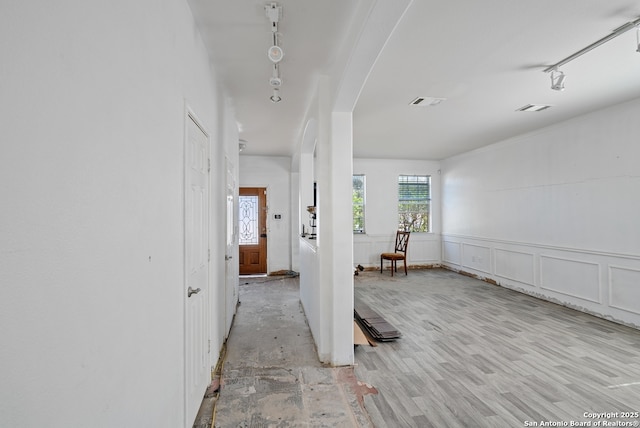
column 414, row 200
column 358, row 203
column 248, row 210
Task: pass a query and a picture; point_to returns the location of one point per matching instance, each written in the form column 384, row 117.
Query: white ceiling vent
column 534, row 107
column 426, row 101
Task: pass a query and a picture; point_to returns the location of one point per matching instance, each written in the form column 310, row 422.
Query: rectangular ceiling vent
column 426, row 101
column 534, row 107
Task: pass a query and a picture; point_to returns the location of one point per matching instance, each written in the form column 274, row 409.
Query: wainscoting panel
column 423, row 249
column 515, row 265
column 362, row 252
column 624, row 289
column 574, row 278
column 476, row 257
column 451, row 252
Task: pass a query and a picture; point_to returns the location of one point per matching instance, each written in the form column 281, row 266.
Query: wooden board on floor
column 358, row 336
column 373, row 325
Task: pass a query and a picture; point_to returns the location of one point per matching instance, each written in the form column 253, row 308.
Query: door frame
column 263, row 214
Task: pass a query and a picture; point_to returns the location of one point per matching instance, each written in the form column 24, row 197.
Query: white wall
column 553, row 213
column 274, row 173
column 381, row 212
column 326, row 273
column 92, row 118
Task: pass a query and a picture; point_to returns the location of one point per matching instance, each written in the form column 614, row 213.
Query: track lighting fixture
column 557, row 80
column 275, row 52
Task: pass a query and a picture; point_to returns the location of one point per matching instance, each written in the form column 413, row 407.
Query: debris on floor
column 373, row 324
column 359, row 337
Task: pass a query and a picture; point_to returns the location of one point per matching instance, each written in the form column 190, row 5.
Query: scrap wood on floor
column 373, row 324
column 359, row 337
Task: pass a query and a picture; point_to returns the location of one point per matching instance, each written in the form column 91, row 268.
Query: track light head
column 275, row 53
column 557, row 80
column 275, row 98
column 275, row 82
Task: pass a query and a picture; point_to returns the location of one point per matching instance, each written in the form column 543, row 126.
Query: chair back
column 402, row 240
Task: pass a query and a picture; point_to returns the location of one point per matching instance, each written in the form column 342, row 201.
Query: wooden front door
column 252, row 231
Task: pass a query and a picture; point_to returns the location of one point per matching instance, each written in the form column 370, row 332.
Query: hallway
column 271, row 375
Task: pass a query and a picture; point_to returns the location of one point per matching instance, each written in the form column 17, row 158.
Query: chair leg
column 381, row 260
column 405, row 266
column 393, row 262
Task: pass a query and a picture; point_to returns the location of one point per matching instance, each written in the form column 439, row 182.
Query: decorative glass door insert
column 249, row 210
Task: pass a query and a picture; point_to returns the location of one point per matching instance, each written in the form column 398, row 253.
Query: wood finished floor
column 478, row 355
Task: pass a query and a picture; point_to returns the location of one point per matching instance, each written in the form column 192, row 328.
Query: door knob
column 228, row 257
column 191, row 291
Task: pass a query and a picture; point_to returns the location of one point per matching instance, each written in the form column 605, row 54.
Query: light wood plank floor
column 478, row 355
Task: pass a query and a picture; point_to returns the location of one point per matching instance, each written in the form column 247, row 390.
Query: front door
column 196, row 249
column 252, row 231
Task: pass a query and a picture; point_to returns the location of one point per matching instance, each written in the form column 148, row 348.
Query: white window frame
column 408, row 216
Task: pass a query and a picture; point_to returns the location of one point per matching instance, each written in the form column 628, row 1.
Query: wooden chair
column 402, row 240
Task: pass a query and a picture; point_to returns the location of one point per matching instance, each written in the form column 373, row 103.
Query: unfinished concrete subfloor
column 271, row 375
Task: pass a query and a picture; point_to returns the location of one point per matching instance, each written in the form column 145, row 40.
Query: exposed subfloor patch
column 271, row 375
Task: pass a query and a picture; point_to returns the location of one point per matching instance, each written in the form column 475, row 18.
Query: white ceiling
column 485, row 57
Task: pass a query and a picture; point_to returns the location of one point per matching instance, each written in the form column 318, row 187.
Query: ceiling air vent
column 426, row 101
column 534, row 107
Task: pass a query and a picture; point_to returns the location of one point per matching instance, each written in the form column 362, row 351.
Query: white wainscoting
column 452, row 252
column 476, row 257
column 575, row 278
column 624, row 288
column 423, row 249
column 600, row 283
column 515, row 266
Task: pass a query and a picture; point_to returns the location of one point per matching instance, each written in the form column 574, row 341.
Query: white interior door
column 196, row 287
